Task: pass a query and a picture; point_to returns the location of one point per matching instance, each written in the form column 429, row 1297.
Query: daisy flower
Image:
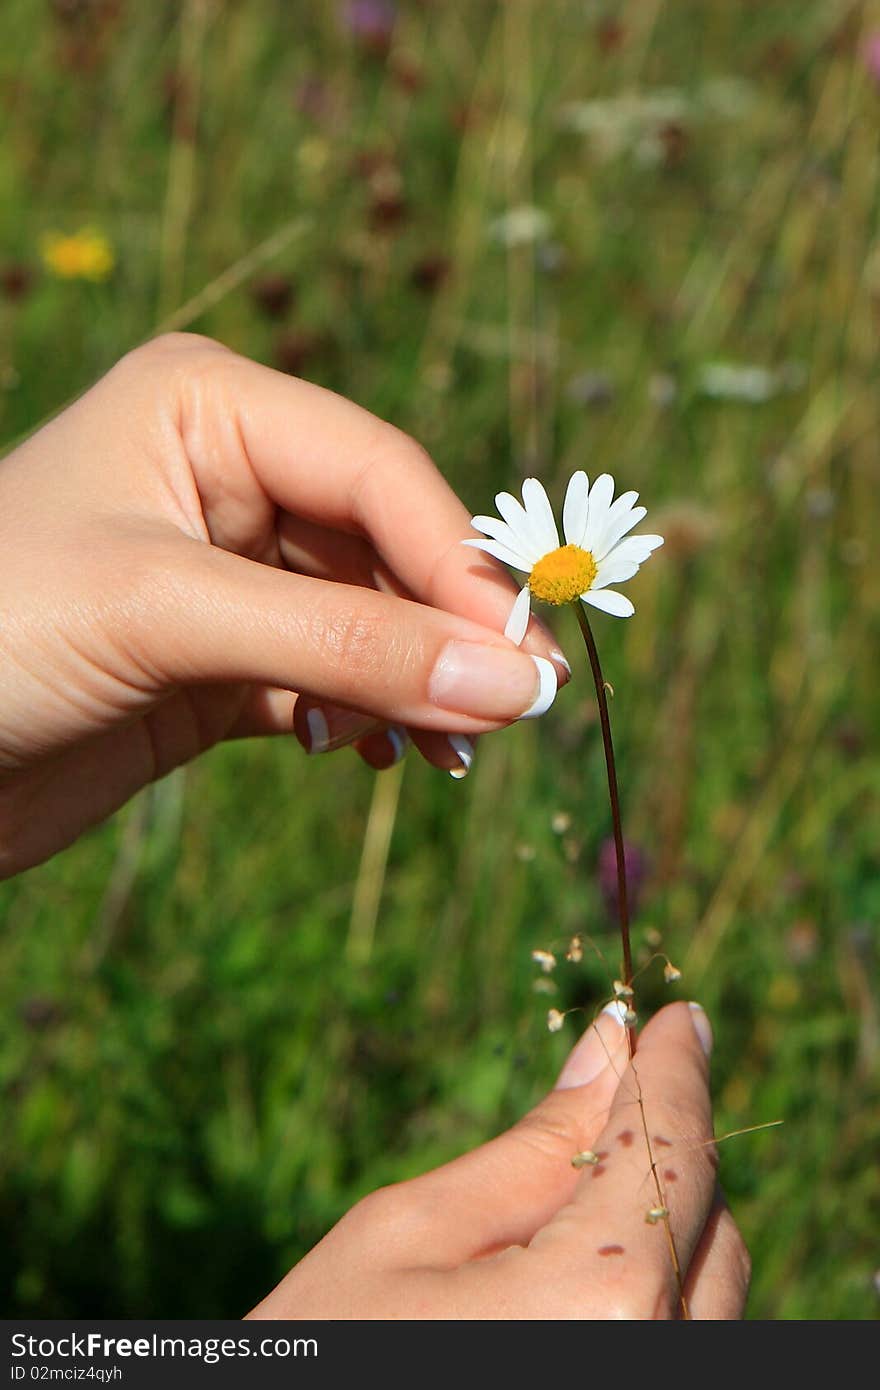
column 595, row 553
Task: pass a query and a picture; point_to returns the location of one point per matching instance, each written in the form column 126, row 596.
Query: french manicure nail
column 399, row 740
column 595, row 1050
column 546, row 690
column 560, row 660
column 319, row 732
column 702, row 1026
column 347, row 728
column 464, row 751
column 492, row 683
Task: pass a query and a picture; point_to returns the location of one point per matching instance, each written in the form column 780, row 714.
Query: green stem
column 623, row 912
column 604, row 720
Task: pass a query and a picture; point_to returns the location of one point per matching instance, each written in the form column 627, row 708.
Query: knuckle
column 645, row 1296
column 551, row 1129
column 371, row 1210
column 172, row 348
column 391, row 1215
column 389, row 453
column 403, row 449
column 172, row 358
column 166, row 366
column 558, row 1287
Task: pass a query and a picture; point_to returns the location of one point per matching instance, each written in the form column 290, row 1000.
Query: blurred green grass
column 205, row 1057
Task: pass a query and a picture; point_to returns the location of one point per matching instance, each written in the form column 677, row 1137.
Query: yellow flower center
column 563, row 574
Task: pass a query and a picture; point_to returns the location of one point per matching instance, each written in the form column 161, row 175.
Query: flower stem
column 605, row 722
column 623, row 915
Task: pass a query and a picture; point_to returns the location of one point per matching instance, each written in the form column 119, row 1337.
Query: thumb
column 505, row 1191
column 213, row 616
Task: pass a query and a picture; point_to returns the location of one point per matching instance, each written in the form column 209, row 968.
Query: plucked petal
column 517, row 623
column 500, row 552
column 574, row 510
column 618, row 605
column 537, row 504
column 598, row 507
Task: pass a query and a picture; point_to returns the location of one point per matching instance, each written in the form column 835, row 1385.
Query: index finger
column 331, row 462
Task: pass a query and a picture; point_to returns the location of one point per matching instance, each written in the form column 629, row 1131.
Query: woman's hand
column 198, row 540
column 513, row 1230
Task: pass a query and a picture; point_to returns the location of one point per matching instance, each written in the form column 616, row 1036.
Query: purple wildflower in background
column 636, row 873
column 871, row 54
column 371, row 22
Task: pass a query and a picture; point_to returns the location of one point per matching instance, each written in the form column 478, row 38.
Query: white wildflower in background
column 522, row 226
column 739, row 381
column 545, row 959
column 555, row 1020
column 595, row 554
column 631, row 123
column 620, row 125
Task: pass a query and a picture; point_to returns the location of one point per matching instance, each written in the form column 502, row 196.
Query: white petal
column 601, row 494
column 618, row 605
column 520, row 523
column 612, row 571
column 537, row 504
column 622, row 517
column 505, row 536
column 636, row 548
column 574, row 510
column 501, row 553
column 515, row 627
column 624, row 560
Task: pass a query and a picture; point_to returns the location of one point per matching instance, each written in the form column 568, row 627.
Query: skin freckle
column 610, row 1250
column 670, row 1175
column 598, row 1170
column 625, row 1137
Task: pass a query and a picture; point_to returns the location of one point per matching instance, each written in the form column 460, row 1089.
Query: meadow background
column 638, row 237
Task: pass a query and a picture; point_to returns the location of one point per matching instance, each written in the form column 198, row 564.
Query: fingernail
column 595, row 1050
column 347, row 727
column 464, row 750
column 560, row 661
column 399, row 740
column 546, row 690
column 319, row 733
column 491, row 683
column 702, row 1026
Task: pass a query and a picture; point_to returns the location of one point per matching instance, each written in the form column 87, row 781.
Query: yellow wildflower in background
column 87, row 255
